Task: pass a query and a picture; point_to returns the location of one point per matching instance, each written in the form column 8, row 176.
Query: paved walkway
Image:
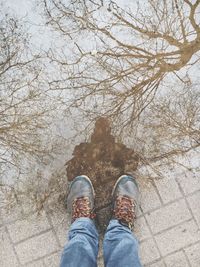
column 168, row 228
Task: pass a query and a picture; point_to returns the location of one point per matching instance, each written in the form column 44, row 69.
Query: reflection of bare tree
column 174, row 126
column 24, row 105
column 135, row 49
column 120, row 69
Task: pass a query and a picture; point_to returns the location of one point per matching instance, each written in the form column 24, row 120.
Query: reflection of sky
column 21, row 7
column 31, row 14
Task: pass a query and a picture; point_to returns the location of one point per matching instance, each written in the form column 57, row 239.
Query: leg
column 82, row 248
column 120, row 246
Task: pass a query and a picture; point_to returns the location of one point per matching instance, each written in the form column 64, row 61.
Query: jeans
column 120, row 246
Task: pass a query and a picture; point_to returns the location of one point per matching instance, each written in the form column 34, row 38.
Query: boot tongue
column 125, row 211
column 81, row 207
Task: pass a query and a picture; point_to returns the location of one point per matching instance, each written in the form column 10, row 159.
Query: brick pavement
column 168, row 229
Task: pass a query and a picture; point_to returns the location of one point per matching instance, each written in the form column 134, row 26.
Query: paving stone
column 177, row 259
column 36, row 264
column 28, row 227
column 148, row 251
column 141, row 229
column 100, row 252
column 100, row 263
column 139, row 212
column 61, row 224
column 12, row 215
column 7, row 255
column 53, row 260
column 189, row 182
column 36, row 247
column 168, row 189
column 178, row 237
column 27, row 205
column 1, row 221
column 194, row 202
column 168, row 216
column 193, row 253
column 149, row 199
column 159, row 263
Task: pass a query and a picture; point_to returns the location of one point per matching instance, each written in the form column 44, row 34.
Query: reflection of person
column 120, row 245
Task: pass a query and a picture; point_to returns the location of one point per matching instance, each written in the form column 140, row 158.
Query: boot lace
column 81, row 208
column 125, row 210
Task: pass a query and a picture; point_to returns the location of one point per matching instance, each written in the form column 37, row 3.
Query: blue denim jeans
column 120, row 246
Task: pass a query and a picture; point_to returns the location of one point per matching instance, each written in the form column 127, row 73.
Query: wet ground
column 103, row 160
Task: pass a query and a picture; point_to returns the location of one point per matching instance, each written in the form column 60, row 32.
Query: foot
column 125, row 200
column 80, row 201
